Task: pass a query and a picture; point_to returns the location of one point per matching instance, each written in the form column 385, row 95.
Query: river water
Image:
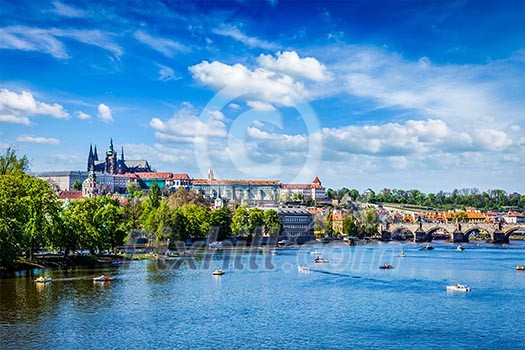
column 264, row 302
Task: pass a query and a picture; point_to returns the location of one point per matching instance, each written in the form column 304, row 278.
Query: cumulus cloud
column 49, row 40
column 167, row 47
column 104, row 113
column 17, row 107
column 290, row 63
column 266, row 85
column 234, row 33
column 38, row 139
column 185, row 126
column 82, row 115
column 234, row 106
column 260, row 106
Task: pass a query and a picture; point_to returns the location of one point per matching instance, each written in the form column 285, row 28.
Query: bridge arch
column 402, row 234
column 471, row 230
column 513, row 230
column 433, row 231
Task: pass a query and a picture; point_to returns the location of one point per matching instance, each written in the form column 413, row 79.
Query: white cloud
column 166, row 73
column 290, row 63
column 82, row 115
column 32, row 39
column 167, row 47
column 234, row 106
column 17, row 107
column 260, row 106
column 37, row 139
column 104, row 113
column 64, row 10
column 15, row 119
column 458, row 94
column 185, row 126
column 234, row 33
column 47, row 40
column 515, row 128
column 266, row 85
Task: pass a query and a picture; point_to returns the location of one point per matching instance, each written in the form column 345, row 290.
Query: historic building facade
column 247, row 192
column 114, row 165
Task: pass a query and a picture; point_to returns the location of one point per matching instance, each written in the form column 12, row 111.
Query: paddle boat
column 303, row 268
column 320, row 260
column 43, row 279
column 460, row 248
column 458, row 288
column 218, row 272
column 402, row 254
column 520, row 267
column 102, row 278
column 386, row 267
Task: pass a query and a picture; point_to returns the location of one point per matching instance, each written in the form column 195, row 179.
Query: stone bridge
column 460, row 232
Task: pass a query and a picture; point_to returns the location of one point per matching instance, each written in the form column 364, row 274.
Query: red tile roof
column 235, row 182
column 70, row 195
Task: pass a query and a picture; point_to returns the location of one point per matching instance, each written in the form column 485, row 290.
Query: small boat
column 43, row 279
column 520, row 267
column 458, row 288
column 102, row 278
column 427, row 247
column 215, row 245
column 303, row 268
column 320, row 260
column 315, row 252
column 282, row 242
column 386, row 267
column 402, row 254
column 273, row 252
column 460, row 248
column 218, row 272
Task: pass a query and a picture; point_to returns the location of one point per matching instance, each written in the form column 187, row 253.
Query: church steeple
column 91, row 161
column 95, row 154
column 122, row 154
column 111, row 150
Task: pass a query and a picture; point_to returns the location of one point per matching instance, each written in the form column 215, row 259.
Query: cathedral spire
column 95, row 154
column 122, row 154
column 90, row 157
column 111, row 150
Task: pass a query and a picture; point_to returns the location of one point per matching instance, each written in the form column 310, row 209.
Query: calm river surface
column 263, row 302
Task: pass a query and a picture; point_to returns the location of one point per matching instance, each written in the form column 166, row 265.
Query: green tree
column 272, row 223
column 221, row 220
column 197, row 217
column 255, row 221
column 154, row 194
column 240, row 222
column 11, row 164
column 370, row 222
column 133, row 190
column 350, row 226
column 77, row 185
column 28, row 213
column 178, row 224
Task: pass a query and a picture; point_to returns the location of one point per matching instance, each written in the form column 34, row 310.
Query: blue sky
column 364, row 94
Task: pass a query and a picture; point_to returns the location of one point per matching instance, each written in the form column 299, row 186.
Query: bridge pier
column 458, row 236
column 422, row 236
column 386, row 236
column 498, row 236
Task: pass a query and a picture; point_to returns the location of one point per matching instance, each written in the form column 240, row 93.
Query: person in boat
column 457, row 285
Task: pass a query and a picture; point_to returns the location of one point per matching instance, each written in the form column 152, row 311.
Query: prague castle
column 113, row 165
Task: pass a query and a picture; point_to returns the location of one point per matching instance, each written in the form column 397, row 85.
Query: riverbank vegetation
column 490, row 200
